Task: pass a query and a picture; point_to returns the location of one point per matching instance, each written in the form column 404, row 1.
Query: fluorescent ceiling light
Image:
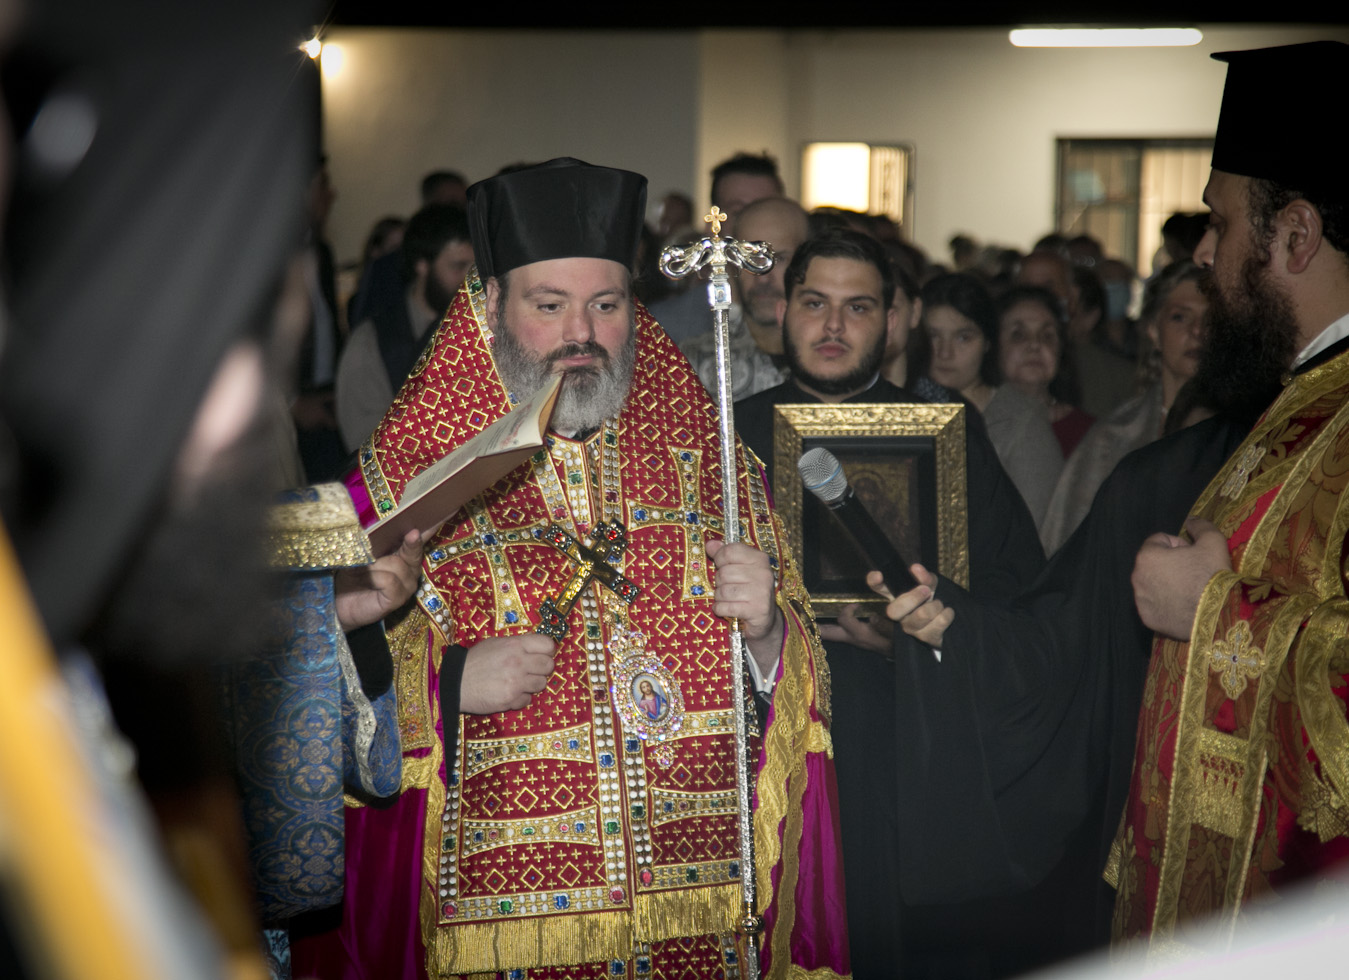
column 1104, row 37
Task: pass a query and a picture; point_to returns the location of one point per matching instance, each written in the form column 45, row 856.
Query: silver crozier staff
column 716, row 253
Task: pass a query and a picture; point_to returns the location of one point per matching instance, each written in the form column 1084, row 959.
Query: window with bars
column 1120, row 191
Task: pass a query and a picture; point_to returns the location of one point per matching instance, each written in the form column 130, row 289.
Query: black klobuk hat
column 561, row 209
column 1279, row 119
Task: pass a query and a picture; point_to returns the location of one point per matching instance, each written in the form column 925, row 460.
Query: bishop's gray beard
column 589, row 395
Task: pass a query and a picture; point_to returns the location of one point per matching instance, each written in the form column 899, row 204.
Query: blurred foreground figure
column 161, row 158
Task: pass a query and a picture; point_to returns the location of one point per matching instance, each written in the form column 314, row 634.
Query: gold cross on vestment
column 596, row 560
column 1241, row 474
column 1237, row 659
column 715, row 217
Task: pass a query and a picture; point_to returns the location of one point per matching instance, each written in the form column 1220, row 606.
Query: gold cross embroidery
column 1237, row 659
column 595, row 559
column 1236, row 480
column 715, row 217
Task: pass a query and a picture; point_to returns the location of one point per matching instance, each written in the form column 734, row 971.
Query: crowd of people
column 511, row 746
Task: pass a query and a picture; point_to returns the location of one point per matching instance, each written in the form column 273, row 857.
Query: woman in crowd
column 962, row 324
column 1034, row 358
column 1173, row 314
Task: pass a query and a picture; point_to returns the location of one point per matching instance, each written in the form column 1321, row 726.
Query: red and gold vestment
column 581, row 830
column 1241, row 773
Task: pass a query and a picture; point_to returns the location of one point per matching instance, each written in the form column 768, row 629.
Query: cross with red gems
column 596, row 560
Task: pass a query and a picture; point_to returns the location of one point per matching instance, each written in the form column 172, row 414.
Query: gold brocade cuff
column 314, row 528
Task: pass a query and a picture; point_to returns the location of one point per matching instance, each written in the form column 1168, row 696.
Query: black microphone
column 824, row 477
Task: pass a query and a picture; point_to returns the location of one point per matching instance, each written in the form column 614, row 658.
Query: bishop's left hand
column 1170, row 574
column 746, row 590
column 369, row 593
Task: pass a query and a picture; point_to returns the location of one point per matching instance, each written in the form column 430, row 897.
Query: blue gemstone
column 686, row 456
column 454, row 779
column 643, row 966
column 367, row 455
column 632, row 745
column 477, row 837
column 561, row 901
column 733, row 869
column 730, row 957
column 489, row 539
column 538, row 532
column 433, row 603
column 668, row 807
column 697, row 590
column 512, row 616
column 691, row 518
column 580, row 827
column 437, row 555
column 639, row 514
column 618, row 968
column 773, row 562
column 573, row 743
column 516, row 975
column 606, row 760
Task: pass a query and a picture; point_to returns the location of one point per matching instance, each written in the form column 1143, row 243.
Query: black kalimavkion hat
column 1278, row 119
column 561, row 209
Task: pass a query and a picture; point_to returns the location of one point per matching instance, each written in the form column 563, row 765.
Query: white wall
column 982, row 116
column 409, row 101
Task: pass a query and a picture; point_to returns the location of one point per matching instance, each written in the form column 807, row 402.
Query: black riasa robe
column 1005, row 554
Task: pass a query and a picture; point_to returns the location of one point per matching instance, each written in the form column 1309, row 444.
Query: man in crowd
column 1253, row 595
column 755, row 335
column 436, row 254
column 546, row 819
column 837, row 317
column 737, row 182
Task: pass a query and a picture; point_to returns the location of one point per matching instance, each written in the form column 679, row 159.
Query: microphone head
column 823, row 475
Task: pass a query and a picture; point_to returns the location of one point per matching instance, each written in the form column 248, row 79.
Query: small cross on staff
column 596, row 559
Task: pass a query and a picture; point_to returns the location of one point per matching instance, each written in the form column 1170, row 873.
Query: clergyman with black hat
column 548, row 825
column 1241, row 771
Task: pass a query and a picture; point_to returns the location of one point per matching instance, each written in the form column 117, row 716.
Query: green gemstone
column 689, row 498
column 522, row 747
column 691, row 874
column 540, row 456
column 506, row 905
column 639, row 811
column 611, row 826
column 592, row 629
column 527, row 831
column 611, row 438
column 574, row 478
column 386, row 505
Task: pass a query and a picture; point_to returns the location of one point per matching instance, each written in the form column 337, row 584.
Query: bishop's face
column 573, row 317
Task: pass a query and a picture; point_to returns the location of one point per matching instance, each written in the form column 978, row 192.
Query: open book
column 433, row 495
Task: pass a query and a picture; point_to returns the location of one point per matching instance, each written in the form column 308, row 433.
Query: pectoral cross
column 596, row 560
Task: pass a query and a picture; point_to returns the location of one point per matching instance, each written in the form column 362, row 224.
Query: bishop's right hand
column 505, row 672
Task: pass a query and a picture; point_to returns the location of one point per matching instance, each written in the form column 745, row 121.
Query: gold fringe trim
column 790, row 718
column 506, row 944
column 791, row 866
column 819, row 973
column 418, row 772
column 818, row 739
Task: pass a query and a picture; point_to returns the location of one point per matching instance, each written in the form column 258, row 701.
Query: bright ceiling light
column 1104, row 37
column 313, row 47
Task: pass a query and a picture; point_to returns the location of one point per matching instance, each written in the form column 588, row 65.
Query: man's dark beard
column 435, row 295
column 1249, row 342
column 855, row 380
